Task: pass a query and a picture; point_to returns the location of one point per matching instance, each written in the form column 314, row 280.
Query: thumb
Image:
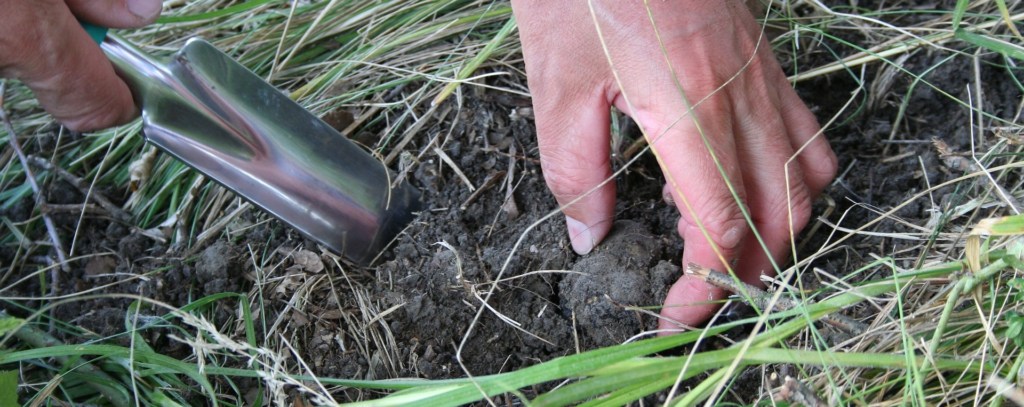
column 117, row 13
column 49, row 51
column 572, row 133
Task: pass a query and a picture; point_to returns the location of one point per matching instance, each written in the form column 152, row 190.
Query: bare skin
column 43, row 45
column 753, row 125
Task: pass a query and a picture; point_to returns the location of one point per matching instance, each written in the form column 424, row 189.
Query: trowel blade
column 218, row 117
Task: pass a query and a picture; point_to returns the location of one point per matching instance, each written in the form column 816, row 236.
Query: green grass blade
column 1002, row 226
column 227, row 11
column 111, row 351
column 1005, row 12
column 993, row 44
column 8, row 388
column 474, row 63
column 958, row 13
column 627, row 395
column 9, row 324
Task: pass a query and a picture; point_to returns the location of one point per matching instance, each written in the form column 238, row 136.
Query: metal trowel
column 221, row 119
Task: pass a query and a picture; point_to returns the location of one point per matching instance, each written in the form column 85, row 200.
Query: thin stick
column 82, row 187
column 762, row 299
column 50, row 227
column 414, row 130
column 222, row 223
column 458, row 171
column 510, row 203
column 69, row 208
column 488, row 182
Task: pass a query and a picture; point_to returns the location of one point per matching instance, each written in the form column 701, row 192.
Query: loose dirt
column 409, row 315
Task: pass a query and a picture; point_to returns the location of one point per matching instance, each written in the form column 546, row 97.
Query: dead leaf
column 251, row 395
column 289, row 284
column 100, row 265
column 304, row 260
column 139, row 170
column 299, row 320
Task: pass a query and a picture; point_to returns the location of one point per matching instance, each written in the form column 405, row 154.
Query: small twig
column 633, row 148
column 762, row 299
column 48, row 208
column 797, row 393
column 758, row 297
column 509, row 206
column 82, row 187
column 957, row 161
column 50, row 227
column 516, row 156
column 458, row 171
column 222, row 223
column 360, row 120
column 488, row 182
column 415, row 129
column 906, row 141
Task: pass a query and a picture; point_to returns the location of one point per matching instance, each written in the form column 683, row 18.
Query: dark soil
column 433, row 278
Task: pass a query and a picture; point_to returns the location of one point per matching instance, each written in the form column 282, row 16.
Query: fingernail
column 579, row 234
column 667, row 197
column 145, row 9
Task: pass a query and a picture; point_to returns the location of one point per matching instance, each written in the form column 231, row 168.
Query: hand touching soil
column 753, row 126
column 43, row 45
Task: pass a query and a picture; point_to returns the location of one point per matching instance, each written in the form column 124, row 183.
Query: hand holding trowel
column 221, row 119
column 215, row 115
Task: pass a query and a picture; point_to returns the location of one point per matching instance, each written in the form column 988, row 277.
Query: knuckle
column 85, row 113
column 798, row 204
column 91, row 122
column 784, row 209
column 724, row 222
column 570, row 174
column 824, row 170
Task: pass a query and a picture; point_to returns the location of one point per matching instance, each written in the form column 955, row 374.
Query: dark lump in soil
column 625, row 270
column 215, row 268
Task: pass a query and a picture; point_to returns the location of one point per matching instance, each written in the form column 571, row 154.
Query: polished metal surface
column 215, row 115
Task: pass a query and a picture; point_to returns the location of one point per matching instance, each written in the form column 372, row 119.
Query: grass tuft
column 941, row 297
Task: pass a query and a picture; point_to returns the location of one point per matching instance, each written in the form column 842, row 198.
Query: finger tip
column 585, row 237
column 689, row 303
column 147, row 11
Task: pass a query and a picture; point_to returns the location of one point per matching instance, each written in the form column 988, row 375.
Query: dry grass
column 949, row 298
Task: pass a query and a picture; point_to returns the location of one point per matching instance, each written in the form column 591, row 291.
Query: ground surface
column 408, row 315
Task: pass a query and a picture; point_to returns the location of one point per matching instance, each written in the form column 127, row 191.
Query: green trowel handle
column 96, row 32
